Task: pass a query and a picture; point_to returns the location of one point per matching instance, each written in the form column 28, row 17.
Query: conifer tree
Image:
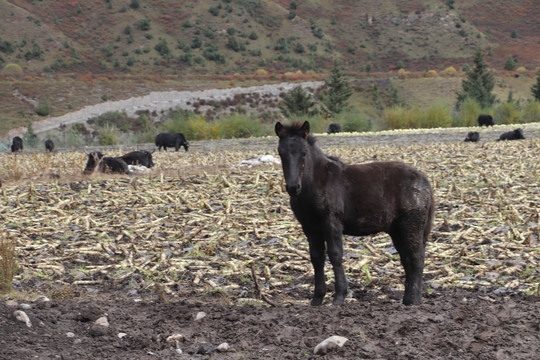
column 479, row 83
column 337, row 91
column 535, row 89
column 297, row 102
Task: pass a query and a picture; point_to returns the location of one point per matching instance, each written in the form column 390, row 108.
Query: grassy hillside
column 230, row 36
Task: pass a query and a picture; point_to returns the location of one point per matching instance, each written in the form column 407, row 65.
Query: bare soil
column 481, row 322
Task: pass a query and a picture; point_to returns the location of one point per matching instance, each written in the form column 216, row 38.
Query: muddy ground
column 186, row 319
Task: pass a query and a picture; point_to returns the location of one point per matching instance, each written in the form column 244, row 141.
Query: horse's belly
column 365, row 226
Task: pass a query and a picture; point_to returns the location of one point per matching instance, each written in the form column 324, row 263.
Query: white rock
column 121, row 335
column 179, row 351
column 26, row 306
column 330, row 343
column 21, row 316
column 175, row 339
column 102, row 321
column 70, row 334
column 200, row 315
column 223, row 347
column 12, row 303
column 42, row 298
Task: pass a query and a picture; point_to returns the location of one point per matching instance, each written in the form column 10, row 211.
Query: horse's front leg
column 317, row 255
column 335, row 254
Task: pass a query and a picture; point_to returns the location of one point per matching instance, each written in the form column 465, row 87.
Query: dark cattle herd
column 333, row 128
column 16, row 144
column 516, row 134
column 49, row 145
column 139, row 157
column 105, row 164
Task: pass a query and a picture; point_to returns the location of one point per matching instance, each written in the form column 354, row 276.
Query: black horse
column 330, row 198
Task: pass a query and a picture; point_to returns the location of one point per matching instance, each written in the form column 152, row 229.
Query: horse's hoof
column 316, row 301
column 408, row 302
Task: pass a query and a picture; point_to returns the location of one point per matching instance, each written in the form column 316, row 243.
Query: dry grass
column 202, row 232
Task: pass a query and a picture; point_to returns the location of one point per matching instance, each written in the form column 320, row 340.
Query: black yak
column 139, row 157
column 333, row 128
column 516, row 134
column 485, row 120
column 16, row 144
column 473, row 136
column 175, row 140
column 105, row 164
column 49, row 145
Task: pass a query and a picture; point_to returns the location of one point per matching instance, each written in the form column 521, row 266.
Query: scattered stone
column 179, row 351
column 223, row 347
column 205, row 348
column 102, row 321
column 175, row 339
column 330, row 343
column 22, row 317
column 200, row 315
column 70, row 334
column 11, row 303
column 42, row 299
column 26, row 306
column 121, row 335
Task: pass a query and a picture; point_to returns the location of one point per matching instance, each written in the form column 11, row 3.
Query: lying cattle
column 175, row 140
column 333, row 128
column 139, row 157
column 473, row 136
column 516, row 134
column 485, row 120
column 16, row 144
column 105, row 164
column 49, row 145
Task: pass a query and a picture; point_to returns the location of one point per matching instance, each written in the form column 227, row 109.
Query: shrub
column 449, row 70
column 399, row 117
column 468, row 113
column 240, row 126
column 510, row 64
column 43, row 108
column 531, row 112
column 134, row 4
column 354, row 122
column 507, row 113
column 437, row 115
column 108, row 135
column 12, row 69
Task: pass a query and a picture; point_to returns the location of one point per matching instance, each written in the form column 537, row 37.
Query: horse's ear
column 279, row 129
column 305, row 128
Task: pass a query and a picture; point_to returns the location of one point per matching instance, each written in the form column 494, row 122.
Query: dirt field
column 203, row 251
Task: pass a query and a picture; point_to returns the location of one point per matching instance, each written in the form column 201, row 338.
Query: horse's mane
column 295, row 129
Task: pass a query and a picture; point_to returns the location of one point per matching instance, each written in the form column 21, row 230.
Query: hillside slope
column 241, row 36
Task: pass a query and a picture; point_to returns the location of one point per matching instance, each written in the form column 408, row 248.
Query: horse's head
column 293, row 148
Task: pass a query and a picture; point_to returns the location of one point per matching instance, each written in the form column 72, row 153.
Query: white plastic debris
column 258, row 160
column 137, row 169
column 330, row 343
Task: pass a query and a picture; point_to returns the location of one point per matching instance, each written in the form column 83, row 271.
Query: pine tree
column 479, row 83
column 297, row 102
column 535, row 89
column 337, row 91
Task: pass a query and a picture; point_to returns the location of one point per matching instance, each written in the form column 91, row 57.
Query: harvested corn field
column 205, row 230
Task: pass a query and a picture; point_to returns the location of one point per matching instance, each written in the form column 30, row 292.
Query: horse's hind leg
column 409, row 242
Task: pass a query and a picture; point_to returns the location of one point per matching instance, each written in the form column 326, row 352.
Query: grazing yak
column 49, row 145
column 473, row 136
column 139, row 157
column 333, row 128
column 16, row 144
column 175, row 140
column 485, row 120
column 516, row 134
column 105, row 164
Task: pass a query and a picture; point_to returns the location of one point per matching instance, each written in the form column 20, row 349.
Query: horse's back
column 379, row 193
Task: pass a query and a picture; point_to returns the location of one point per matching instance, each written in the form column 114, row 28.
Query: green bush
column 240, row 126
column 468, row 114
column 531, row 112
column 399, row 117
column 353, row 122
column 43, row 108
column 507, row 113
column 108, row 135
column 437, row 115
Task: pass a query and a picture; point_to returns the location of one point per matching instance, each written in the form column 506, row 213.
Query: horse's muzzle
column 294, row 190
